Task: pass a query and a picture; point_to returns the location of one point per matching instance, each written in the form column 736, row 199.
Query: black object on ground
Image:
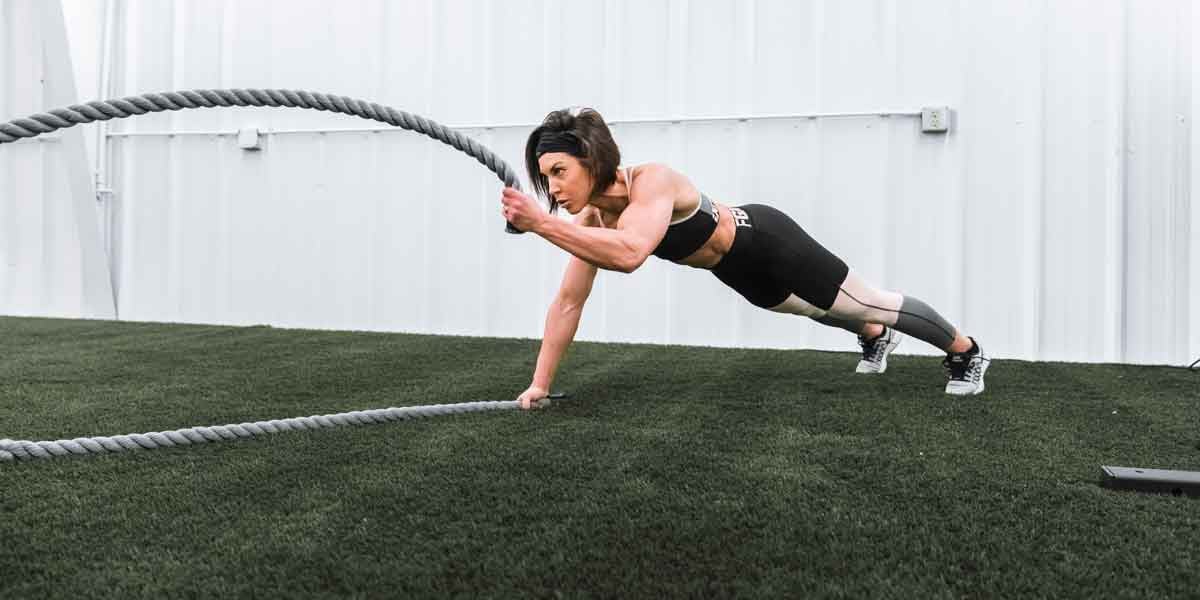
column 1178, row 483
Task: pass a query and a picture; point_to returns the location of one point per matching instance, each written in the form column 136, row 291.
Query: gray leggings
column 858, row 303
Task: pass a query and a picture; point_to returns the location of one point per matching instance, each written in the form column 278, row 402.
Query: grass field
column 673, row 471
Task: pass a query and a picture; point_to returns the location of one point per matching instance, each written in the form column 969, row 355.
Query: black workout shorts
column 772, row 258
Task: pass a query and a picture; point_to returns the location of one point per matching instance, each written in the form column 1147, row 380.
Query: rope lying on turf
column 62, row 118
column 104, row 110
column 11, row 450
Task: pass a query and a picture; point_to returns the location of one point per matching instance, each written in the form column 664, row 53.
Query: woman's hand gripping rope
column 521, row 210
column 536, row 397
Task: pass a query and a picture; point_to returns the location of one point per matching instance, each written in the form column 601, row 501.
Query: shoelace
column 871, row 349
column 959, row 370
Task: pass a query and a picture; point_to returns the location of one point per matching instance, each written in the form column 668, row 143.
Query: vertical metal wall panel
column 785, row 56
column 921, row 241
column 51, row 259
column 1193, row 293
column 701, row 309
column 8, row 259
column 514, row 62
column 254, row 226
column 636, row 307
column 24, row 198
column 1154, row 237
column 992, row 235
column 1055, row 222
column 514, row 286
column 403, row 249
column 1079, row 150
column 84, row 20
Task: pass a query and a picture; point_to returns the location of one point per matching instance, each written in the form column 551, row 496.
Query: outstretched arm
column 639, row 230
column 562, row 321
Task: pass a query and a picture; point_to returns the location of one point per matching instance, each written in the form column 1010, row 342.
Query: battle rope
column 11, row 450
column 76, row 114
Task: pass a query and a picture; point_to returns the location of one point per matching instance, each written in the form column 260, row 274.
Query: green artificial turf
column 672, row 471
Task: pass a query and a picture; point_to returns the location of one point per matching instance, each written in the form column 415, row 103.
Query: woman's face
column 570, row 183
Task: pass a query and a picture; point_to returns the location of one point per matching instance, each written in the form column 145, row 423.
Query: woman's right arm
column 562, row 319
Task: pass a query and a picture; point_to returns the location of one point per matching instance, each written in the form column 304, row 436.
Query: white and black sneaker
column 966, row 370
column 875, row 351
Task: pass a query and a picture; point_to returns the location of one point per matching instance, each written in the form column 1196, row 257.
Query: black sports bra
column 688, row 234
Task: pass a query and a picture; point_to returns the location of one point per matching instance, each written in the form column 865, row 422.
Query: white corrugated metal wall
column 1055, row 222
column 52, row 262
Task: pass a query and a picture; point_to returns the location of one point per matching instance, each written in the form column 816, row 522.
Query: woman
column 622, row 216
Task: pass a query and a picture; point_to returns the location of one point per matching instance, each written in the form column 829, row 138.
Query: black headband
column 553, row 141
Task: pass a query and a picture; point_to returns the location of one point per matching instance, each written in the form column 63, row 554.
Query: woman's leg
column 859, row 300
column 794, row 305
column 877, row 341
column 781, row 268
column 965, row 361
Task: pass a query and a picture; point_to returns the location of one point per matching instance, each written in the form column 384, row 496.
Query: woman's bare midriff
column 718, row 243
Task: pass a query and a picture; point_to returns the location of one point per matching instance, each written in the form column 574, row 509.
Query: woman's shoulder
column 655, row 174
column 651, row 167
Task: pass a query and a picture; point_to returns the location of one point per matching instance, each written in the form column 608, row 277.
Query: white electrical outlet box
column 249, row 139
column 935, row 119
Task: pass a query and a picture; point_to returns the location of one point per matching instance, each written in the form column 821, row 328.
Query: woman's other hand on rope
column 522, row 211
column 534, row 397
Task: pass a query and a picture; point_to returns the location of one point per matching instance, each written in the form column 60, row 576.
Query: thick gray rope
column 54, row 120
column 61, row 118
column 11, row 450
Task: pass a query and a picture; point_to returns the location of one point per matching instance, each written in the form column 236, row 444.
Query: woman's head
column 571, row 158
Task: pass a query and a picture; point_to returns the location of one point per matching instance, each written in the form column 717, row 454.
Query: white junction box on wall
column 249, row 139
column 935, row 119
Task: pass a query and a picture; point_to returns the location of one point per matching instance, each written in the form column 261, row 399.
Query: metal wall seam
column 678, row 82
column 551, row 19
column 961, row 163
column 24, row 45
column 744, row 102
column 1194, row 191
column 1170, row 224
column 7, row 185
column 1035, row 263
column 1121, row 282
column 1181, row 83
column 81, row 263
column 891, row 171
column 430, row 179
column 483, row 217
column 614, row 36
column 817, row 139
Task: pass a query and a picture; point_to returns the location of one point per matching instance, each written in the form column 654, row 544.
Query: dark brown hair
column 600, row 155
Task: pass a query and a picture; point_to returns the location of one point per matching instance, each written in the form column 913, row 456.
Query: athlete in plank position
column 624, row 215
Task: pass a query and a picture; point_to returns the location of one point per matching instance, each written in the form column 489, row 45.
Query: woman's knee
column 795, row 305
column 858, row 299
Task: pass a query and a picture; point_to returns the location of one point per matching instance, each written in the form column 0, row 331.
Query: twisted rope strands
column 54, row 120
column 12, row 450
column 104, row 110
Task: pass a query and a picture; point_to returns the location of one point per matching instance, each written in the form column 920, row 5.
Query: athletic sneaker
column 876, row 351
column 966, row 370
